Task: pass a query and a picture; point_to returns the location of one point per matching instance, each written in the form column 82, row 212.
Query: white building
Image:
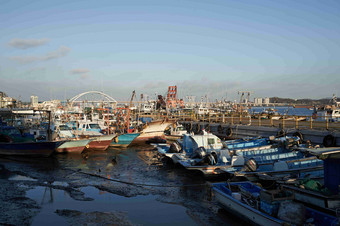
column 266, row 101
column 34, row 101
column 6, row 102
column 257, row 101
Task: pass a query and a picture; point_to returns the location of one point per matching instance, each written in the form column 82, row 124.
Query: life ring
column 329, row 141
column 229, row 132
column 315, row 116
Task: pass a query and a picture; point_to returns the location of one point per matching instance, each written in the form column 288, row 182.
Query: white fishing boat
column 153, row 131
column 329, row 112
column 175, row 132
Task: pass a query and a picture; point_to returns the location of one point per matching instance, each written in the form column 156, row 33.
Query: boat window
column 84, row 126
column 94, row 126
column 64, row 127
column 211, row 141
column 180, row 128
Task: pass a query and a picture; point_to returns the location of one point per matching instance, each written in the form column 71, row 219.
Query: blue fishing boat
column 285, row 170
column 15, row 134
column 261, row 207
column 43, row 149
column 247, row 143
column 225, row 161
column 123, row 140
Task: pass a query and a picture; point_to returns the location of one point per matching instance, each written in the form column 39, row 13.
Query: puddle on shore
column 143, row 210
column 20, row 177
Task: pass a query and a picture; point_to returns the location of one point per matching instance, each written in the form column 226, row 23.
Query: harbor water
column 120, row 187
column 284, row 110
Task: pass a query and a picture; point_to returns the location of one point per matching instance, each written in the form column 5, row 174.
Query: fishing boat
column 224, row 160
column 175, row 132
column 285, row 170
column 262, row 207
column 15, row 134
column 323, row 195
column 123, row 140
column 88, row 129
column 183, row 150
column 328, row 112
column 248, row 143
column 153, row 132
column 43, row 149
column 73, row 146
column 101, row 143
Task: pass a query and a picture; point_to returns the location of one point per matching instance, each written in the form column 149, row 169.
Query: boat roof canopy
column 323, row 153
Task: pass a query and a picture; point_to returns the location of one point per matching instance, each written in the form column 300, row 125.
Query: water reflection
column 156, row 212
column 172, row 200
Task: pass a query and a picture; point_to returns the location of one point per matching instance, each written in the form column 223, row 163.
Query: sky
column 57, row 49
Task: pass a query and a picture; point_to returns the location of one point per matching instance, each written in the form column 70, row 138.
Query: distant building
column 34, row 101
column 266, row 101
column 5, row 101
column 261, row 101
column 257, row 101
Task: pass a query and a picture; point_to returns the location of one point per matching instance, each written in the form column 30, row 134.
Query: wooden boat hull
column 73, row 146
column 43, row 149
column 154, row 131
column 101, row 143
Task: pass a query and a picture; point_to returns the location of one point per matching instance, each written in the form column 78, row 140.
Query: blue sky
column 57, row 49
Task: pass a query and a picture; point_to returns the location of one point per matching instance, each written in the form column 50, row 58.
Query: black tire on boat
column 298, row 134
column 190, row 128
column 220, row 129
column 197, row 129
column 229, row 132
column 329, row 141
column 175, row 148
column 281, row 133
column 199, row 153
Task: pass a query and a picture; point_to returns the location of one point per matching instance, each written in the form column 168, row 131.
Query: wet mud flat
column 115, row 187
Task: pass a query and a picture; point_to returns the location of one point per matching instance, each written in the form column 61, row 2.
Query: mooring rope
column 115, row 180
column 133, row 183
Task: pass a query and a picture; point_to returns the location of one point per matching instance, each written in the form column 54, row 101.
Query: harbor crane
column 244, row 101
column 242, row 96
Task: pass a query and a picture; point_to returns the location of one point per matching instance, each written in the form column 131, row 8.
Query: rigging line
column 135, row 184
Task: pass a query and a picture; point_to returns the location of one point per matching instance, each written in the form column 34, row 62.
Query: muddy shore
column 116, row 187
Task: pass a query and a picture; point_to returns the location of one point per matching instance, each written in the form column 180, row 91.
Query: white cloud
column 24, row 59
column 27, row 43
column 62, row 51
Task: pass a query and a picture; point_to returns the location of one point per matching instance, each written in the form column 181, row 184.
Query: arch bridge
column 108, row 98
